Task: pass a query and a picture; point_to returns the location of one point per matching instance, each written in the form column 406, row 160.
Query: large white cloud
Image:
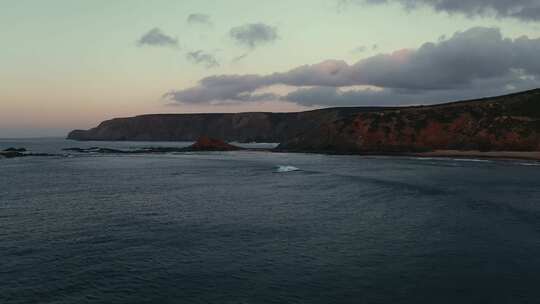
column 479, row 60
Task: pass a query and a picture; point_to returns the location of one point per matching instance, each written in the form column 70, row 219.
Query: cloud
column 331, row 96
column 526, row 10
column 202, row 58
column 477, row 61
column 155, row 37
column 253, row 35
column 320, row 96
column 216, row 88
column 258, row 97
column 359, row 49
column 199, row 19
column 239, row 58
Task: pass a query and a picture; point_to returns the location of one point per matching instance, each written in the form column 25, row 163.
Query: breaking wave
column 282, row 169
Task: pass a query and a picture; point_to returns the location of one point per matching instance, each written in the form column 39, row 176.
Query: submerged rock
column 20, row 152
column 11, row 154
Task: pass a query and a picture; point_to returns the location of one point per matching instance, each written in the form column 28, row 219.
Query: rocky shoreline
column 21, row 152
column 500, row 155
column 202, row 144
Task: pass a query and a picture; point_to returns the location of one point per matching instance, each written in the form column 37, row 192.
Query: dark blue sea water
column 228, row 228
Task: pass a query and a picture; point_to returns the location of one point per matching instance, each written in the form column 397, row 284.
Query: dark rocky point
column 20, row 152
column 11, row 154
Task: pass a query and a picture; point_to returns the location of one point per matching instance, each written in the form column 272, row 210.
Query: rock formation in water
column 205, row 143
column 20, row 152
column 510, row 122
column 13, row 152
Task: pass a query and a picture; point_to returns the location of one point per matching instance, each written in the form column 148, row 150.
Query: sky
column 68, row 64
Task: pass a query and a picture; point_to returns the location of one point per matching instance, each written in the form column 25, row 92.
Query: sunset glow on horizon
column 72, row 64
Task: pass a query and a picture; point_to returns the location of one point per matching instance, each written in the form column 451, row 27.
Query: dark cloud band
column 527, row 10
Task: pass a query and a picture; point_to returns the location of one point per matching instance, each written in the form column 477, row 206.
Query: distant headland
column 503, row 123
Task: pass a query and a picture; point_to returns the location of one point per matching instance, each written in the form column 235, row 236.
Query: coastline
column 533, row 156
column 493, row 155
column 503, row 155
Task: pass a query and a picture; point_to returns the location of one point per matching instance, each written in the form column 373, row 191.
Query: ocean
column 261, row 227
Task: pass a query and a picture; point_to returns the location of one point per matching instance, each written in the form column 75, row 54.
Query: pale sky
column 68, row 64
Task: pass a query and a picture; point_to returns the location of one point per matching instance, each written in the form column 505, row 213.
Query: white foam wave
column 471, row 160
column 282, row 169
column 529, row 164
column 427, row 158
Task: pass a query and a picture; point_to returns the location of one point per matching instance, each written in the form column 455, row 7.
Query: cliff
column 243, row 127
column 510, row 122
column 505, row 123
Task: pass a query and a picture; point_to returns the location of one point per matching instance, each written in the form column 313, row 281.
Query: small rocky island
column 211, row 144
column 13, row 152
column 20, row 152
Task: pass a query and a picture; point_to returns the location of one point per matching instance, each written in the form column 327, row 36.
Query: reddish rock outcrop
column 506, row 123
column 205, row 143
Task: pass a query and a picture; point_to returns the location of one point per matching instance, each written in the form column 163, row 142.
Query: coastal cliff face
column 243, row 127
column 509, row 123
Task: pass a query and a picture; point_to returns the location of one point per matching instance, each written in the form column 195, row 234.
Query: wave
column 472, row 160
column 530, row 164
column 453, row 159
column 283, row 169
